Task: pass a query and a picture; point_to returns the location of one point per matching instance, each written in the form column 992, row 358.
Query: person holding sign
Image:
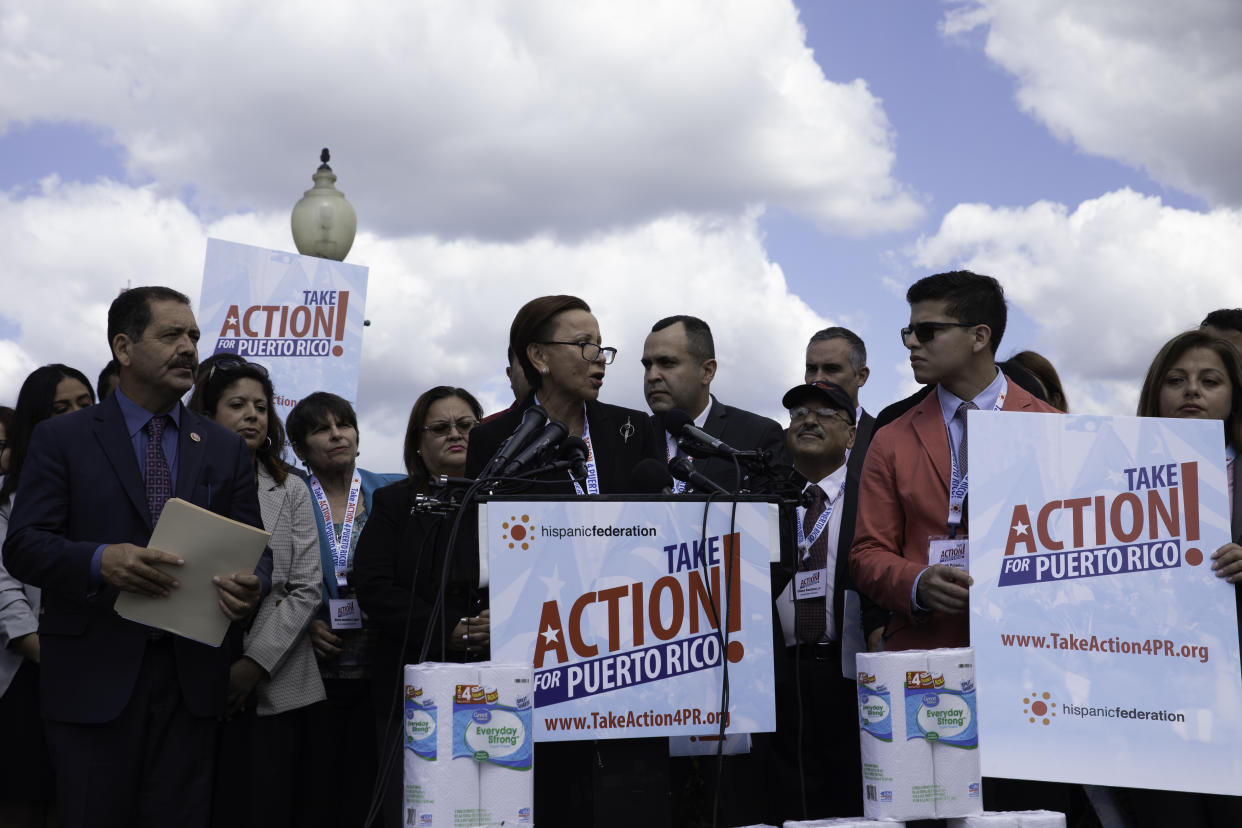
column 323, row 430
column 131, row 711
column 912, row 505
column 1198, row 375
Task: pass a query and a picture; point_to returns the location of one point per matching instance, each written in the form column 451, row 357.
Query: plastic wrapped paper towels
column 1010, row 819
column 917, row 723
column 469, row 749
column 841, row 822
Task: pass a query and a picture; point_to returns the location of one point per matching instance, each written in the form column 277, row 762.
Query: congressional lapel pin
column 627, row 430
column 194, row 436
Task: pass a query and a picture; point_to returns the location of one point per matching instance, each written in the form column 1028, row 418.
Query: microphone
column 679, row 424
column 683, row 470
column 532, row 420
column 552, row 434
column 574, row 449
column 650, row 476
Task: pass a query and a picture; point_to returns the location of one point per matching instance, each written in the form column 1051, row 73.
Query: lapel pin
column 627, row 430
column 194, row 436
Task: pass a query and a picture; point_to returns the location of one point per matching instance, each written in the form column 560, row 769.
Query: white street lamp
column 323, row 222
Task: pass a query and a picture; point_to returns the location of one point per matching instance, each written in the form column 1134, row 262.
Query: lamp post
column 323, row 222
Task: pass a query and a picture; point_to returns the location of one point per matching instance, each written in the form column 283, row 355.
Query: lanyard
column 958, row 482
column 339, row 549
column 592, row 482
column 670, row 451
column 805, row 542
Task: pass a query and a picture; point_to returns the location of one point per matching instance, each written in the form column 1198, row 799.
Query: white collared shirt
column 670, row 442
column 949, row 402
column 832, row 486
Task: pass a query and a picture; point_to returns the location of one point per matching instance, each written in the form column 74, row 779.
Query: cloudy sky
column 770, row 166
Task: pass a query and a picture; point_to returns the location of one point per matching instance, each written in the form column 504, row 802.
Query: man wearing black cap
column 817, row 772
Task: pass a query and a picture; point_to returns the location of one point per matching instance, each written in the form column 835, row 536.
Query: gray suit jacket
column 19, row 610
column 277, row 639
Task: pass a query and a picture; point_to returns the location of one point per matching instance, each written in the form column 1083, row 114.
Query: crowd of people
column 295, row 719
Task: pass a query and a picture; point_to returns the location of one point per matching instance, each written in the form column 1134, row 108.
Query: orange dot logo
column 1039, row 708
column 517, row 531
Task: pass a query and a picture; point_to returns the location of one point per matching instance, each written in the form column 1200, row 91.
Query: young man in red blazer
column 912, row 495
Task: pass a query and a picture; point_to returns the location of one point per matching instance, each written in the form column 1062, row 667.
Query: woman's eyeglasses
column 229, row 364
column 440, row 428
column 590, row 351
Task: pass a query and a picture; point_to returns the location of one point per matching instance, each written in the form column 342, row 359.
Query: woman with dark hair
column 26, row 782
column 1038, row 366
column 262, row 757
column 556, row 340
column 398, row 568
column 1199, row 376
column 323, row 430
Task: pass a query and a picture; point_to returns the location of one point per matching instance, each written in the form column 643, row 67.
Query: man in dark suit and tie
column 838, row 355
column 131, row 711
column 679, row 364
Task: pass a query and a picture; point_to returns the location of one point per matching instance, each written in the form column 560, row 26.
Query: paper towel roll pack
column 840, row 822
column 469, row 748
column 1010, row 819
column 919, row 735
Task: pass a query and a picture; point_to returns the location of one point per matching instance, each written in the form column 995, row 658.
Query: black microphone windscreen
column 675, row 420
column 681, row 468
column 574, row 446
column 650, row 476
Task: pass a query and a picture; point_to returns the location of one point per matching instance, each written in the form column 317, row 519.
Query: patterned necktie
column 159, row 480
column 810, row 614
column 961, row 450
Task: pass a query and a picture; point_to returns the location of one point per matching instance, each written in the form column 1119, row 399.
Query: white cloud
column 466, row 119
column 1154, row 84
column 440, row 309
column 1108, row 282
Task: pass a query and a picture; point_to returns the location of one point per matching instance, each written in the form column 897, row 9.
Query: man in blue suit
column 131, row 711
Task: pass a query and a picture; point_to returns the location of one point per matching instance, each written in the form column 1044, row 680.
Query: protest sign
column 1107, row 649
column 615, row 604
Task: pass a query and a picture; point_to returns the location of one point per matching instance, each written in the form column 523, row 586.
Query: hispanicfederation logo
column 1136, row 530
column 517, row 531
column 315, row 327
column 1039, row 707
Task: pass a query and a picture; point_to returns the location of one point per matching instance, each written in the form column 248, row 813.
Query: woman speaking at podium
column 557, row 342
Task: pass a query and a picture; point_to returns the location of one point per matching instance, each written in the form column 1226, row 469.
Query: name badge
column 345, row 613
column 953, row 552
column 811, row 584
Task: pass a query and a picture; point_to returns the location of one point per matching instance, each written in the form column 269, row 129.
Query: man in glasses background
column 912, row 496
column 813, row 698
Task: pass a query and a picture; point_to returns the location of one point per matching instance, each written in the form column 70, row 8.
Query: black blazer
column 620, row 437
column 81, row 487
column 396, row 576
column 740, row 429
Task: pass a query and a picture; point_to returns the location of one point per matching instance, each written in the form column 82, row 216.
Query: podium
column 629, row 606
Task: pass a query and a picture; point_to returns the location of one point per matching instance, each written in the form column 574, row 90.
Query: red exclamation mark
column 733, row 574
column 342, row 308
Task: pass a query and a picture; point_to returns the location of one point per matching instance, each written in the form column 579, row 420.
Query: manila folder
column 210, row 545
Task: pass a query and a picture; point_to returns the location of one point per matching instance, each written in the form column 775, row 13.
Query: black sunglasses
column 926, row 331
